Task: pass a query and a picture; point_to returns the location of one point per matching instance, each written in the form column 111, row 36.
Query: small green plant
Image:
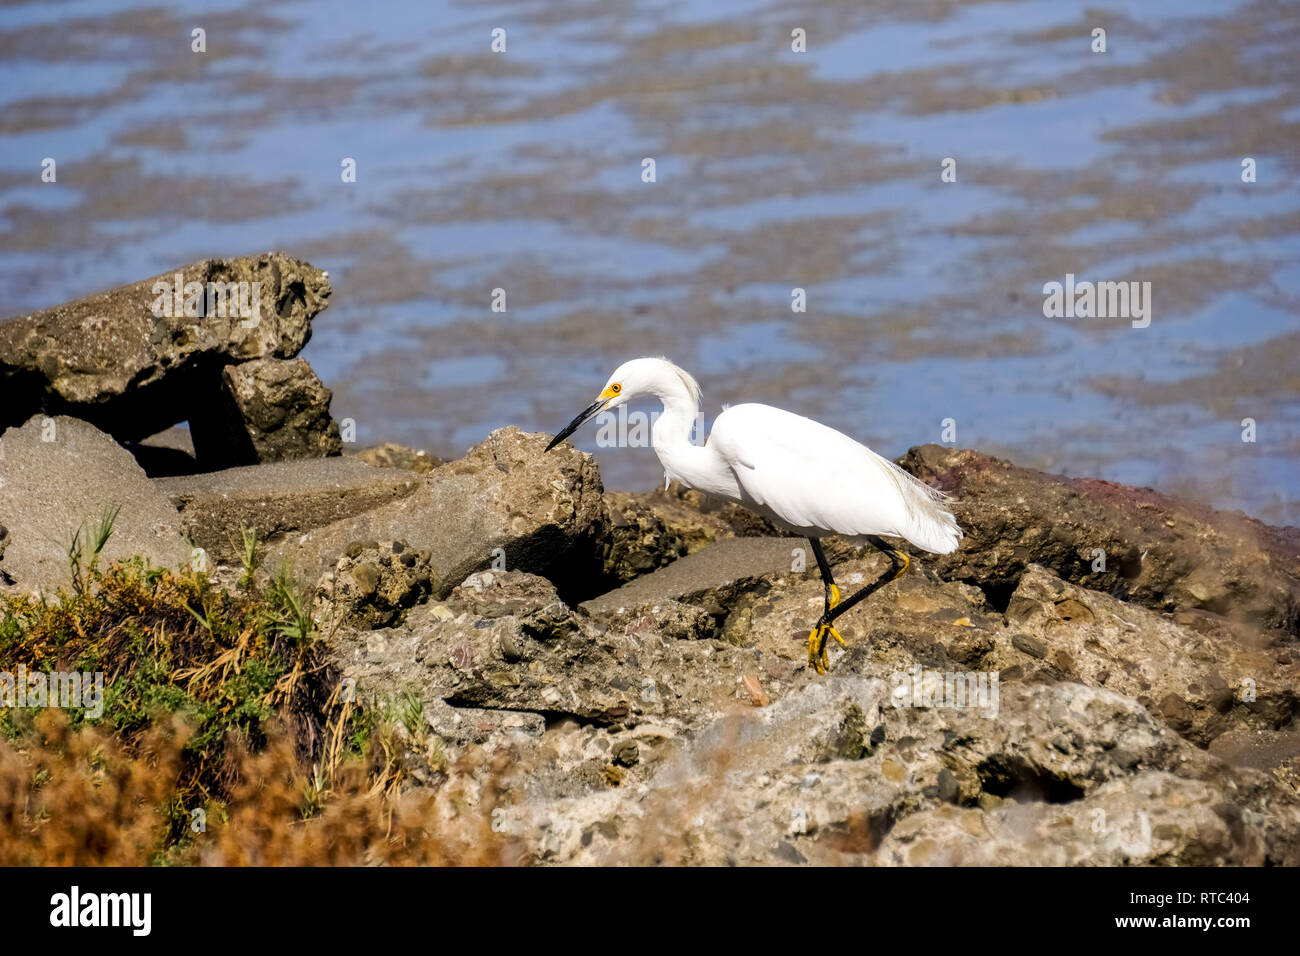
column 290, row 612
column 314, row 791
column 412, row 714
column 102, row 532
column 84, row 552
column 250, row 557
column 390, row 750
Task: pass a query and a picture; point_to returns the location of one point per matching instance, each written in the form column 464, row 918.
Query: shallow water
column 774, row 170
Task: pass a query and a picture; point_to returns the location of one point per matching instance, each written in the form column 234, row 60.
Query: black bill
column 587, row 414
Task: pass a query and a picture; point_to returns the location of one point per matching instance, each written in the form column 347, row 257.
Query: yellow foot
column 819, row 646
column 907, row 563
column 835, row 595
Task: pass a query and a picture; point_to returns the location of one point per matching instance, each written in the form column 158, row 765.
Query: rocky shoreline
column 1099, row 675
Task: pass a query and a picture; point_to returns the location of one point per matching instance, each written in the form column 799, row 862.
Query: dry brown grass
column 78, row 797
column 224, row 710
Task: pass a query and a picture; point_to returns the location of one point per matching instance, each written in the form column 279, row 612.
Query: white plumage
column 805, row 477
column 811, row 480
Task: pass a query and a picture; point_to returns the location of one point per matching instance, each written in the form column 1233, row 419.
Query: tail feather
column 930, row 525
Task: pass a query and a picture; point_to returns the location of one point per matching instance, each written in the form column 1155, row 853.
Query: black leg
column 828, row 581
column 817, row 640
column 900, row 562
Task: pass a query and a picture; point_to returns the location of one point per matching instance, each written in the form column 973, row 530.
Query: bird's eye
column 616, row 389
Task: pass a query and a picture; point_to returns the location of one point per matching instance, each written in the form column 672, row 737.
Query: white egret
column 806, row 478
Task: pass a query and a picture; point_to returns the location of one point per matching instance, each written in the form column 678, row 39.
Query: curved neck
column 672, row 429
column 696, row 466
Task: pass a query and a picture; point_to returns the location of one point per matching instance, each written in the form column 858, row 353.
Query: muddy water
column 774, row 170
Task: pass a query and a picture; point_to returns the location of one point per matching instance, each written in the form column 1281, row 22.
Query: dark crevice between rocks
column 1000, row 584
column 151, row 406
column 997, row 588
column 293, row 294
column 23, row 393
column 720, row 604
column 997, row 593
column 570, row 564
column 552, row 718
column 218, row 429
column 5, row 578
column 723, row 601
column 164, row 461
column 1015, row 778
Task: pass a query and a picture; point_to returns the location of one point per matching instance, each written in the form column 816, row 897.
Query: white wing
column 817, row 480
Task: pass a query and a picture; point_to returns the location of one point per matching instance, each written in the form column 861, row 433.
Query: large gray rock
column 60, row 474
column 1154, row 819
column 506, row 641
column 1198, row 675
column 117, row 360
column 1201, row 678
column 506, row 502
column 709, row 577
column 1159, row 551
column 279, row 499
column 835, row 773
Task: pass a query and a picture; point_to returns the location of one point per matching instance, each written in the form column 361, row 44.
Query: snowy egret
column 806, row 478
